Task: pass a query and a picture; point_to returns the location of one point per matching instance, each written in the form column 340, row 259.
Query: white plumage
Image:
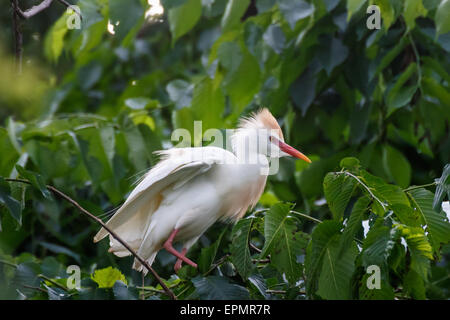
column 191, row 188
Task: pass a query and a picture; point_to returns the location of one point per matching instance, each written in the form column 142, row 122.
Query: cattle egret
column 191, row 188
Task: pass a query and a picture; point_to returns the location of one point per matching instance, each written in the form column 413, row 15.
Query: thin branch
column 418, row 187
column 18, row 39
column 110, row 231
column 365, row 187
column 35, row 288
column 255, row 247
column 306, row 216
column 34, row 10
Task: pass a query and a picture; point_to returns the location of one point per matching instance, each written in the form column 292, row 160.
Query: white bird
column 191, row 188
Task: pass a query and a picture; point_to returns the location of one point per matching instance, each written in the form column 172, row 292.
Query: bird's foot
column 168, row 246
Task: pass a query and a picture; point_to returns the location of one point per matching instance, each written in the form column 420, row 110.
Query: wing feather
column 177, row 167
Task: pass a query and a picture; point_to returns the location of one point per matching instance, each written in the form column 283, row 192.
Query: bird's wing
column 178, row 166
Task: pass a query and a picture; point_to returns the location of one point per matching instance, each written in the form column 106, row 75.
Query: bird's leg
column 179, row 261
column 168, row 246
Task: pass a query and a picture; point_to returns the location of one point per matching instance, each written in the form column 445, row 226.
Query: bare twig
column 111, row 232
column 255, row 247
column 18, row 47
column 306, row 216
column 34, row 10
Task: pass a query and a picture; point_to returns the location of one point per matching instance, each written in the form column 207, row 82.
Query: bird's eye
column 270, row 138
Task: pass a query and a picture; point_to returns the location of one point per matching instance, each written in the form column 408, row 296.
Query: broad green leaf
column 420, row 249
column 442, row 17
column 208, row 254
column 391, row 55
column 396, row 166
column 107, row 277
column 387, row 12
column 180, row 92
column 414, row 285
column 412, row 10
column 208, row 104
column 337, row 272
column 400, row 95
column 353, row 6
column 434, row 89
column 123, row 292
column 333, row 54
column 354, row 222
column 437, row 225
column 54, row 39
column 9, row 154
column 240, row 252
column 377, row 248
column 293, row 11
column 323, row 236
column 124, row 16
column 36, row 180
column 14, row 207
column 218, row 288
column 408, row 215
column 387, row 193
column 234, row 10
column 184, row 17
column 338, row 189
column 283, row 241
column 442, row 188
column 275, row 38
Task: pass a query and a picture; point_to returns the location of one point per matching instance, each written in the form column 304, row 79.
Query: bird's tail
column 140, row 267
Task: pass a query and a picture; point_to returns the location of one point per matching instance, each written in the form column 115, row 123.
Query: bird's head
column 260, row 133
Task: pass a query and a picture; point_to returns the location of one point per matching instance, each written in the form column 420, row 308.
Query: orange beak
column 291, row 151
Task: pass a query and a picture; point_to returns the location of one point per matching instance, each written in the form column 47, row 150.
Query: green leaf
column 123, row 292
column 218, row 288
column 441, row 17
column 387, row 193
column 391, row 55
column 36, row 180
column 54, row 39
column 420, row 249
column 322, row 238
column 338, row 189
column 332, row 54
column 414, row 285
column 349, row 163
column 124, row 15
column 412, row 10
column 184, row 17
column 180, row 92
column 396, row 166
column 208, row 254
column 208, row 104
column 437, row 225
column 14, row 207
column 107, row 277
column 353, row 6
column 354, row 222
column 240, row 252
column 337, row 271
column 293, row 11
column 400, row 95
column 234, row 10
column 442, row 188
column 282, row 241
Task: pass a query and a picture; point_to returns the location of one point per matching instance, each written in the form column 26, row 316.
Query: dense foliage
column 92, row 104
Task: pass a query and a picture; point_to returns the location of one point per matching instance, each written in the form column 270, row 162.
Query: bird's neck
column 245, row 148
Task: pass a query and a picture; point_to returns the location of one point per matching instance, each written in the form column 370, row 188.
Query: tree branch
column 34, row 10
column 18, row 48
column 111, row 232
